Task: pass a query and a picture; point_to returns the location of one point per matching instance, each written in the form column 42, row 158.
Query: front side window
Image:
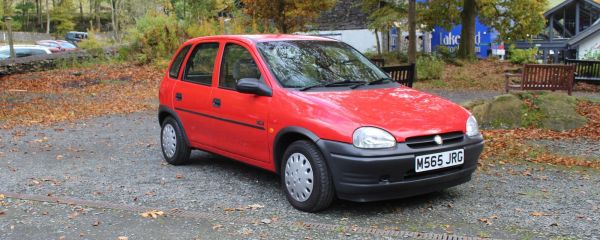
column 237, row 64
column 176, row 66
column 200, row 65
column 299, row 64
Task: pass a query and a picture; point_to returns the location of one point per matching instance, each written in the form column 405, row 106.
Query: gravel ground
column 117, row 159
column 575, row 147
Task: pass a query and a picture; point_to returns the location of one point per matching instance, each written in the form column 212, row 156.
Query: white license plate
column 439, row 160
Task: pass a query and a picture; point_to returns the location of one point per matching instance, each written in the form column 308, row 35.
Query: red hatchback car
column 317, row 112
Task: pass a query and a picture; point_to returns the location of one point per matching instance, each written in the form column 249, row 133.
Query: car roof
column 261, row 38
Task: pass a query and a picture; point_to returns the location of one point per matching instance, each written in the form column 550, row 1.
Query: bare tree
column 47, row 18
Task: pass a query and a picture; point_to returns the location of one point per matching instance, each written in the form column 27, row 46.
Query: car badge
column 438, row 139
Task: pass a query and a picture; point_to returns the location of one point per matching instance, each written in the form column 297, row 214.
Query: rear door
column 192, row 94
column 243, row 117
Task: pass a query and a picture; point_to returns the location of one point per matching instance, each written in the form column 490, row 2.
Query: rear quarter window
column 176, row 66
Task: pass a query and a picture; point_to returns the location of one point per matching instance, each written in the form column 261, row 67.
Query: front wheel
column 305, row 177
column 175, row 150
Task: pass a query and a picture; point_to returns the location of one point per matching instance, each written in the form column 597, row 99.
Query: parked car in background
column 75, row 37
column 57, row 45
column 24, row 51
column 317, row 112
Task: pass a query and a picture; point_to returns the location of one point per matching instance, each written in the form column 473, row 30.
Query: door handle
column 216, row 102
column 178, row 96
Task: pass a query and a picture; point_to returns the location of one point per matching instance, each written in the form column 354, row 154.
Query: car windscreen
column 299, row 64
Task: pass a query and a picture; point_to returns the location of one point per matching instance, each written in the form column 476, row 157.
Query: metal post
column 8, row 21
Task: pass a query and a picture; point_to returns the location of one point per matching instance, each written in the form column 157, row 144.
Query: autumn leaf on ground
column 152, row 214
column 217, row 226
column 486, row 221
column 96, row 223
column 255, row 206
column 122, row 238
column 539, row 214
column 2, row 196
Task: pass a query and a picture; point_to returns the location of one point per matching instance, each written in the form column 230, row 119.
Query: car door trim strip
column 221, row 119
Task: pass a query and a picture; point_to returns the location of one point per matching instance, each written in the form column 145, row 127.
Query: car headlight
column 472, row 128
column 370, row 137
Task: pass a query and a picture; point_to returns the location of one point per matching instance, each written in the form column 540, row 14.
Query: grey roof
column 567, row 2
column 594, row 29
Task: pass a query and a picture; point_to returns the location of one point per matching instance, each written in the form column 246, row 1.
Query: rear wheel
column 305, row 178
column 174, row 147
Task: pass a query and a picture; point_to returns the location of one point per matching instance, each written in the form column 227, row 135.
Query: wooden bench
column 403, row 74
column 585, row 70
column 543, row 77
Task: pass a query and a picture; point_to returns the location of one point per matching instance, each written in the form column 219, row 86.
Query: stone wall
column 47, row 62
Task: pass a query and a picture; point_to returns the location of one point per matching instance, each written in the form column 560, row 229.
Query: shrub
column 93, row 45
column 592, row 55
column 155, row 35
column 430, row 67
column 522, row 56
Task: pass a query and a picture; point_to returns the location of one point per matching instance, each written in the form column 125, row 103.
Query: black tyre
column 174, row 147
column 305, row 177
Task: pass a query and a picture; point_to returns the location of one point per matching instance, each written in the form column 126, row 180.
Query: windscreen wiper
column 378, row 81
column 333, row 84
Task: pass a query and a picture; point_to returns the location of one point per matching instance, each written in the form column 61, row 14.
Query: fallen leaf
column 59, row 157
column 539, row 214
column 122, row 238
column 266, row 221
column 486, row 221
column 152, row 214
column 2, row 196
column 179, row 176
column 96, row 223
column 217, row 226
column 255, row 206
column 2, row 213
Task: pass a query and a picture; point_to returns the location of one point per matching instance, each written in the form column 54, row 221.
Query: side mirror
column 253, row 86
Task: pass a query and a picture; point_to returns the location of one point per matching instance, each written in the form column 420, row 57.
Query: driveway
column 92, row 179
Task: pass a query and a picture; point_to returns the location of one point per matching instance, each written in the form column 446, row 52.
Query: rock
column 504, row 111
column 554, row 111
column 560, row 112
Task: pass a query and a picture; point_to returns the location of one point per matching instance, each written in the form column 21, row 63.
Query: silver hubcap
column 169, row 140
column 299, row 177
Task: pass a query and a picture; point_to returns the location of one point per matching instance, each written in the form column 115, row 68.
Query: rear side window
column 176, row 66
column 37, row 52
column 237, row 64
column 200, row 65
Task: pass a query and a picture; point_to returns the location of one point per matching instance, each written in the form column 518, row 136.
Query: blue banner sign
column 484, row 37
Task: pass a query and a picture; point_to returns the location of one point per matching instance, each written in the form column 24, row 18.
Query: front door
column 192, row 93
column 243, row 117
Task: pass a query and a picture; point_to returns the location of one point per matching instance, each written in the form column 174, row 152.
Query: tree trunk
column 47, row 18
column 466, row 48
column 385, row 38
column 81, row 10
column 115, row 25
column 377, row 40
column 97, row 14
column 399, row 41
column 412, row 31
column 281, row 25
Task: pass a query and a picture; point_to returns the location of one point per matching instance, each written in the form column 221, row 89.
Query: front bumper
column 364, row 175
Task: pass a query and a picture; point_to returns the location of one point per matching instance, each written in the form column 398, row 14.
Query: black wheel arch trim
column 162, row 109
column 287, row 130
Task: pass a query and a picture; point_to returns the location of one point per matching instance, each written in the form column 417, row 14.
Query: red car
column 317, row 112
column 57, row 45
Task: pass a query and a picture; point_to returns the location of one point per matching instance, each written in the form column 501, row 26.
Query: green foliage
column 592, row 55
column 385, row 16
column 154, row 36
column 93, row 45
column 62, row 16
column 522, row 56
column 430, row 67
column 390, row 58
